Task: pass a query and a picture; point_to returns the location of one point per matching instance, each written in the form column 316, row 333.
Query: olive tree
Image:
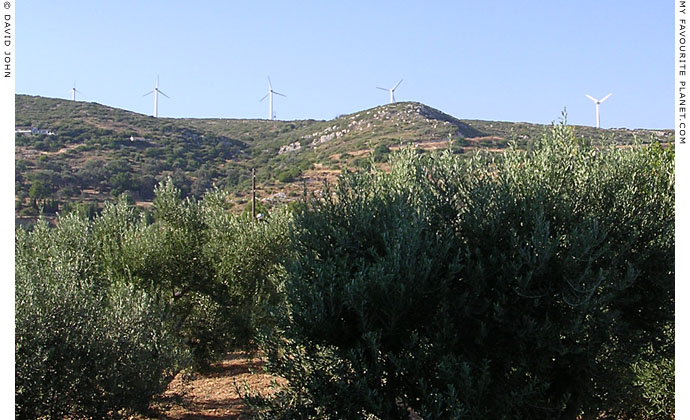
column 529, row 284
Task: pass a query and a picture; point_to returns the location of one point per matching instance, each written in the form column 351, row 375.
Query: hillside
column 94, row 152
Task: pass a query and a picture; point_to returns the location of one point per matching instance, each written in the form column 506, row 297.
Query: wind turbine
column 155, row 92
column 270, row 98
column 598, row 102
column 392, row 90
column 75, row 91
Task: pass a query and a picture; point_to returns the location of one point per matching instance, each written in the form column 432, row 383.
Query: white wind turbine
column 270, row 94
column 392, row 90
column 598, row 102
column 75, row 91
column 155, row 92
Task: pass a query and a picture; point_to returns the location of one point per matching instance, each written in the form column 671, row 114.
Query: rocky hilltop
column 79, row 152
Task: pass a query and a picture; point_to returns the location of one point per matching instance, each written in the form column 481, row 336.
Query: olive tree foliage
column 247, row 259
column 109, row 309
column 85, row 345
column 530, row 284
column 218, row 270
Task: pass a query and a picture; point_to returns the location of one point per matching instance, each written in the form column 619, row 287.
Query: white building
column 32, row 130
column 23, row 129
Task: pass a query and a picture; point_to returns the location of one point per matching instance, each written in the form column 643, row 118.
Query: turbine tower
column 270, row 98
column 598, row 102
column 155, row 92
column 75, row 91
column 392, row 90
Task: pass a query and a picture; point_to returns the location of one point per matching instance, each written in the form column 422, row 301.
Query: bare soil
column 214, row 394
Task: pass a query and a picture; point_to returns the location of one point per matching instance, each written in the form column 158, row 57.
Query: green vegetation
column 92, row 156
column 86, row 343
column 380, row 153
column 533, row 283
column 110, row 309
column 526, row 285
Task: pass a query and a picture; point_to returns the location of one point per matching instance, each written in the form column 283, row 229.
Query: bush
column 654, row 375
column 380, row 152
column 250, row 272
column 121, row 182
column 289, row 175
column 109, row 307
column 92, row 173
column 524, row 285
column 86, row 210
column 216, row 271
column 458, row 145
column 146, row 184
column 85, row 346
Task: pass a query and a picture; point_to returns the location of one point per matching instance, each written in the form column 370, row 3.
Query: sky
column 499, row 60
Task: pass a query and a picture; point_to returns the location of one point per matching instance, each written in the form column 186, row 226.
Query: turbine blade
column 276, row 93
column 591, row 98
column 265, row 96
column 146, row 94
column 161, row 92
column 606, row 97
column 269, row 83
column 396, row 86
column 382, row 88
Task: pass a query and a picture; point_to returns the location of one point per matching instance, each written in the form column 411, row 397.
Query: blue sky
column 499, row 60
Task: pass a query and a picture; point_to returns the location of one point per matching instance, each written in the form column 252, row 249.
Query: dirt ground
column 212, row 395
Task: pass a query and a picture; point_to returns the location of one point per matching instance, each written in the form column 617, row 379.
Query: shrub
column 289, row 175
column 86, row 210
column 110, row 306
column 85, row 346
column 458, row 145
column 523, row 285
column 216, row 271
column 250, row 272
column 121, row 182
column 39, row 191
column 380, row 152
column 28, row 212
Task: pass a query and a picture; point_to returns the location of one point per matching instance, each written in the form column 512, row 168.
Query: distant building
column 32, row 130
column 132, row 138
column 23, row 129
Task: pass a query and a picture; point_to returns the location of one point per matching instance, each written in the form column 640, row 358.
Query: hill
column 90, row 152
